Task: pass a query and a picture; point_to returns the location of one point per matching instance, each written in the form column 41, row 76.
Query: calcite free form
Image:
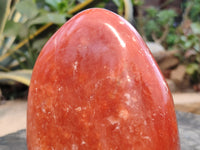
column 96, row 86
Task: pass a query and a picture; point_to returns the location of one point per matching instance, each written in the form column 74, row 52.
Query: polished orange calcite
column 96, row 86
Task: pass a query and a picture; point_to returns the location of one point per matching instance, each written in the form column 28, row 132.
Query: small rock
column 155, row 47
column 172, row 85
column 157, row 50
column 168, row 62
column 177, row 75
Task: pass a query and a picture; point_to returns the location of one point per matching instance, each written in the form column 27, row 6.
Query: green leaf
column 192, row 68
column 195, row 11
column 28, row 8
column 4, row 11
column 166, row 16
column 53, row 3
column 171, row 39
column 49, row 17
column 62, row 7
column 183, row 38
column 25, row 33
column 12, row 28
column 152, row 12
column 195, row 28
column 39, row 43
column 22, row 76
column 187, row 44
column 152, row 26
column 137, row 2
column 197, row 47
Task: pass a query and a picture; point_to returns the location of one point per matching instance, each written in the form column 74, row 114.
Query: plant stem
column 79, row 6
column 187, row 11
column 163, row 37
column 128, row 10
column 22, row 43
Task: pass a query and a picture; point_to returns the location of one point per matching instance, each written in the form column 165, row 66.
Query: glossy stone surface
column 95, row 86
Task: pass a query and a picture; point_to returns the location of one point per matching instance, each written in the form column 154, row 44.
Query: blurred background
column 171, row 29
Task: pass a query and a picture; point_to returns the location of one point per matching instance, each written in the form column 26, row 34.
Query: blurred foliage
column 4, row 10
column 26, row 25
column 160, row 25
column 189, row 40
column 156, row 21
column 21, row 23
column 192, row 6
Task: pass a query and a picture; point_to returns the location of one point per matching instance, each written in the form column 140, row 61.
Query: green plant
column 158, row 25
column 33, row 17
column 190, row 49
column 192, row 9
column 21, row 23
column 188, row 43
column 125, row 8
column 23, row 20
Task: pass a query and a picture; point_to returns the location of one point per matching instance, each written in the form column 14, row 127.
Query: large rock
column 189, row 131
column 14, row 141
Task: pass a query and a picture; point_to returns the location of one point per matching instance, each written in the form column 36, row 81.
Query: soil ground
column 13, row 113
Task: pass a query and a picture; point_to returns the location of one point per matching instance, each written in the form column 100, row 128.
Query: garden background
column 170, row 28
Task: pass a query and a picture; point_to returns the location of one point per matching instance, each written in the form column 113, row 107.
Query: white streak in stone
column 147, row 138
column 54, row 116
column 113, row 120
column 130, row 100
column 52, row 148
column 78, row 109
column 43, row 110
column 123, row 114
column 66, row 109
column 127, row 95
column 74, row 147
column 75, row 65
column 154, row 114
column 133, row 38
column 145, row 122
column 59, row 89
column 35, row 81
column 83, row 142
column 128, row 78
column 117, row 127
